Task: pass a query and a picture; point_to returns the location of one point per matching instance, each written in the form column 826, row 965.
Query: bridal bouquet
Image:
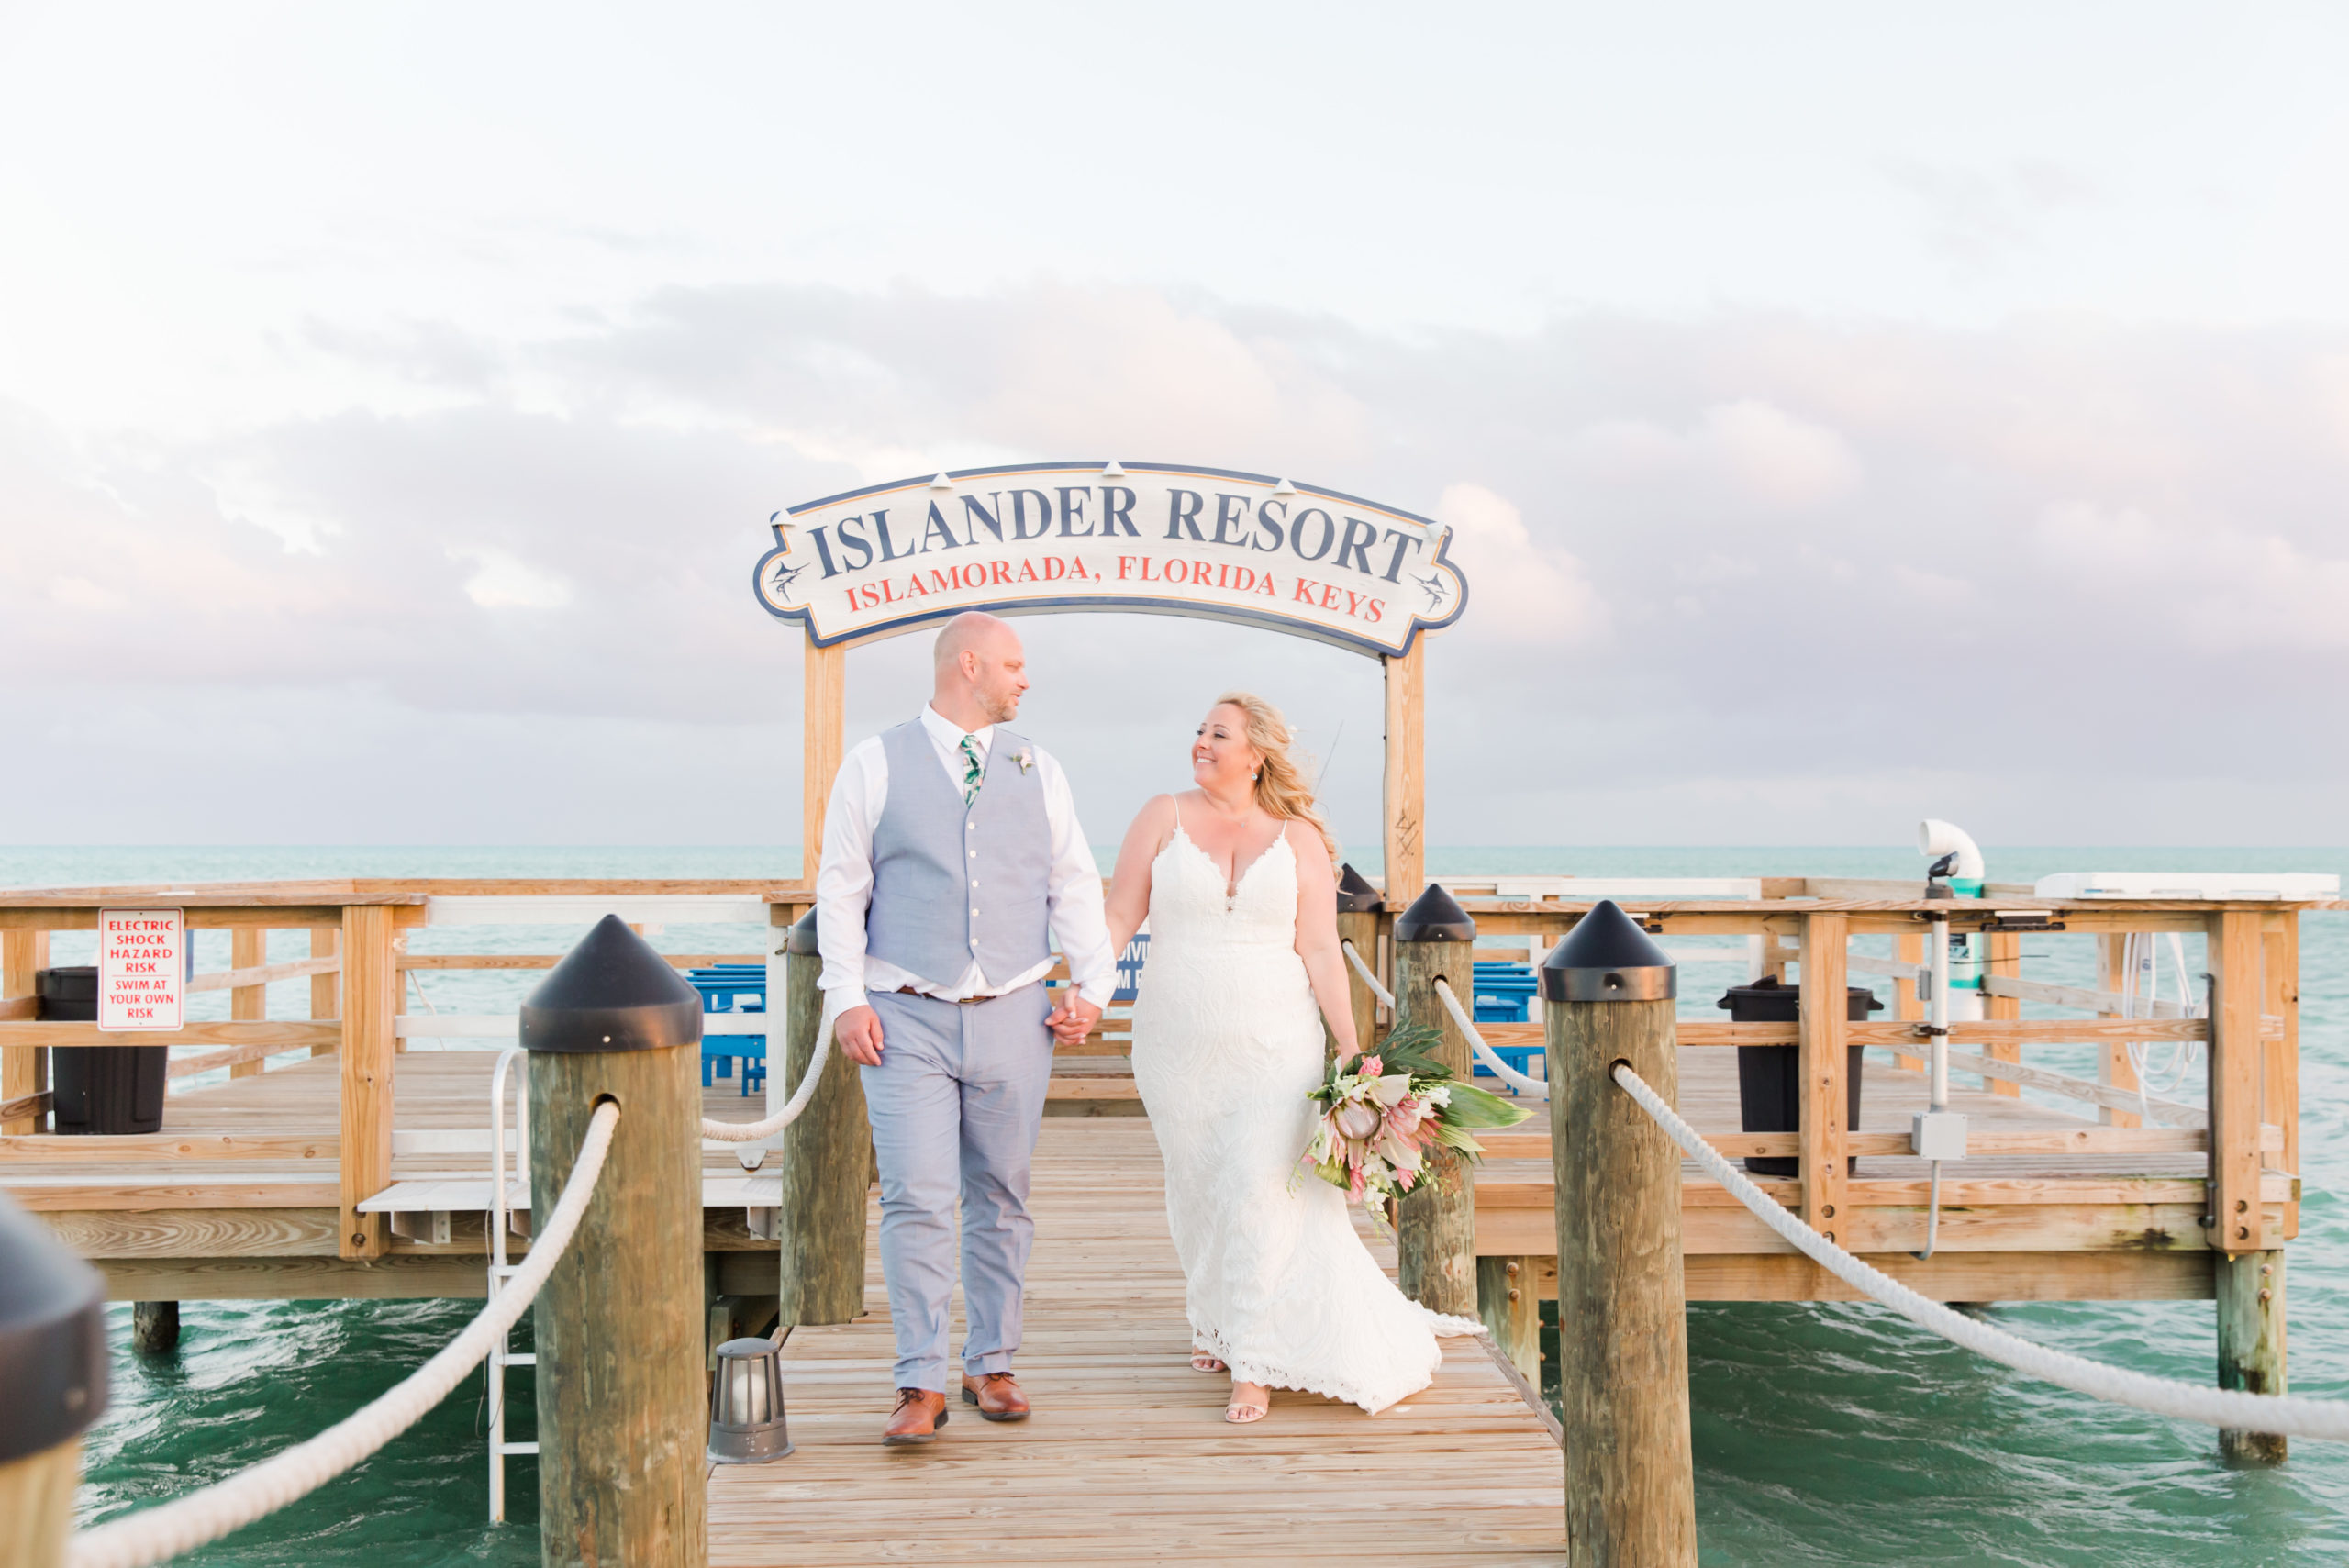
column 1380, row 1121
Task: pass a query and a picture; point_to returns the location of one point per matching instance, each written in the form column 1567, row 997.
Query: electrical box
column 1938, row 1135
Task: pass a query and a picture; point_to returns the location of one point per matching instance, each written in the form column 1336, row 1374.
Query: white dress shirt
column 844, row 882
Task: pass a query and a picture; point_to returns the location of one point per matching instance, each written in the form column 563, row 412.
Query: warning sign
column 142, row 959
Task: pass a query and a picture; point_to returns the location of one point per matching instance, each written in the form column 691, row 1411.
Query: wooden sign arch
column 1150, row 539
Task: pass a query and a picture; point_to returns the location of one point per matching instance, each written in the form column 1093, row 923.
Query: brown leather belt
column 958, row 1001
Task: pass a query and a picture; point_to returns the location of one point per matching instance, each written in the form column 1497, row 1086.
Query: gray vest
column 951, row 883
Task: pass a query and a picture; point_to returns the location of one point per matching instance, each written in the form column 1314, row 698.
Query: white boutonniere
column 1025, row 757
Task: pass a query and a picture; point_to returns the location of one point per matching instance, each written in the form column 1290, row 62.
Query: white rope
column 2281, row 1414
column 151, row 1535
column 752, row 1132
column 1386, row 997
column 1534, row 1088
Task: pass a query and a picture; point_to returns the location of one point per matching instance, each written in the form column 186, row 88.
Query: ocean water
column 1824, row 1434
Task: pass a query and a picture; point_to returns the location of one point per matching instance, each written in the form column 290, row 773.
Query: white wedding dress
column 1227, row 1043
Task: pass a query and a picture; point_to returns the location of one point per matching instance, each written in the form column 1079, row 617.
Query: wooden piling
column 370, row 997
column 1510, row 1304
column 618, row 1322
column 2249, row 1269
column 1435, row 1239
column 155, row 1327
column 53, row 1363
column 822, row 1160
column 1607, row 996
column 2250, row 1345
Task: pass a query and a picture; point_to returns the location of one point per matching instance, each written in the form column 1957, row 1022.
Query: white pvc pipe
column 1936, row 837
column 1937, row 1012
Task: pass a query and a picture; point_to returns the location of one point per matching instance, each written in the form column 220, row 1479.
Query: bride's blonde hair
column 1281, row 786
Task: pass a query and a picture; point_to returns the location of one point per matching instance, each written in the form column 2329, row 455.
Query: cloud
column 1522, row 592
column 2218, row 588
column 1777, row 459
column 81, row 594
column 502, row 582
column 1748, row 452
column 1728, row 530
column 1978, row 219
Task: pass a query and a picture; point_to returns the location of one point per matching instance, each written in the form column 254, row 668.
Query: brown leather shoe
column 917, row 1419
column 996, row 1395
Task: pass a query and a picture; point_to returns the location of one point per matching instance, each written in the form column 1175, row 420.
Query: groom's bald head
column 972, row 631
column 981, row 671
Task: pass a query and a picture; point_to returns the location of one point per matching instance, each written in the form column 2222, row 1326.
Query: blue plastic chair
column 732, row 988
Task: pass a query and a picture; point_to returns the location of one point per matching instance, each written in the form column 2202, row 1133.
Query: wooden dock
column 336, row 1161
column 305, row 1175
column 1127, row 1457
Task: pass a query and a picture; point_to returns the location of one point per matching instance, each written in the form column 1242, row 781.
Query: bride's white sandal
column 1201, row 1360
column 1239, row 1412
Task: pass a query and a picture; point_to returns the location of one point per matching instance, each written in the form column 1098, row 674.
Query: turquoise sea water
column 1824, row 1434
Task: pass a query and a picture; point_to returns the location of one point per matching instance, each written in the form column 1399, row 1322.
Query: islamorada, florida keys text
column 1182, row 541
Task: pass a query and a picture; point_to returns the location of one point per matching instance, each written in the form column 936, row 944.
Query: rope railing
column 1386, row 997
column 752, row 1132
column 153, row 1535
column 1484, row 1053
column 1534, row 1088
column 2280, row 1414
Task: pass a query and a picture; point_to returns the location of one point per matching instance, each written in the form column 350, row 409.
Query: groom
column 951, row 858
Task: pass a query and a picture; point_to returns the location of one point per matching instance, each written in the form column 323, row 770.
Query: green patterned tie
column 973, row 769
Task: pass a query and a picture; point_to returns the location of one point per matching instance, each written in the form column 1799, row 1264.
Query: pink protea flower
column 1369, row 1067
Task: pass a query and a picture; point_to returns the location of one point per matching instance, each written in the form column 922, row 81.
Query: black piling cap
column 802, row 939
column 52, row 1338
column 1356, row 895
column 1435, row 917
column 611, row 993
column 1607, row 957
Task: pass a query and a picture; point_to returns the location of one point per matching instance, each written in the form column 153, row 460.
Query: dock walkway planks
column 1127, row 1458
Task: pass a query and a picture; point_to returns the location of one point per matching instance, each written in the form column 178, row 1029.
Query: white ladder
column 500, row 1270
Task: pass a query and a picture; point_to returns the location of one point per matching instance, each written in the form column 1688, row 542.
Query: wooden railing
column 357, row 961
column 356, row 964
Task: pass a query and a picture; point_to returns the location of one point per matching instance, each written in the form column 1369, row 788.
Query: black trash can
column 1769, row 1077
column 101, row 1088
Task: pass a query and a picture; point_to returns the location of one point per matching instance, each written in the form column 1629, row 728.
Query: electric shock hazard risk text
column 142, row 959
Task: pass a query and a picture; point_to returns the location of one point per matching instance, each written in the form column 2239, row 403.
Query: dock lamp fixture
column 746, row 1425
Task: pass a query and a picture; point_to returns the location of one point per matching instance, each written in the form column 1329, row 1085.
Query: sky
column 1846, row 414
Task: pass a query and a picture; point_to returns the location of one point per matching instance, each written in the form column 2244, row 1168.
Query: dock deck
column 236, row 1196
column 1127, row 1457
column 344, row 1158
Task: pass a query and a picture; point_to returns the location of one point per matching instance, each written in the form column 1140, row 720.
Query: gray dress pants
column 955, row 1104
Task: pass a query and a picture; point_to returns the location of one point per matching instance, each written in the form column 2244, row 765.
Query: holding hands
column 859, row 1029
column 1071, row 1022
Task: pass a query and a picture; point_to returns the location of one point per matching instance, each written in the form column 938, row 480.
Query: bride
column 1236, row 879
